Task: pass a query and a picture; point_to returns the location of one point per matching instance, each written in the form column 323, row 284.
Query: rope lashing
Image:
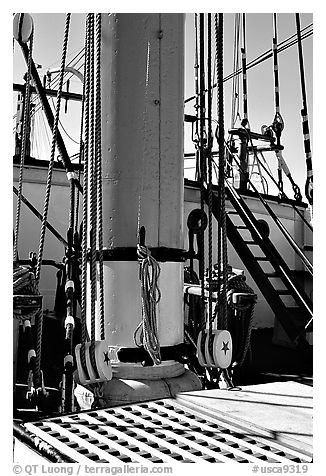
column 146, row 334
column 305, row 121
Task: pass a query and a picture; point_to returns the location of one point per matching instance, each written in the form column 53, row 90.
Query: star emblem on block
column 106, row 358
column 225, row 347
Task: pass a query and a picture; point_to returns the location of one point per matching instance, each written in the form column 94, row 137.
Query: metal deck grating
column 163, row 431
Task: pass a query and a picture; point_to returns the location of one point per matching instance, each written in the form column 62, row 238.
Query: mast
column 142, row 152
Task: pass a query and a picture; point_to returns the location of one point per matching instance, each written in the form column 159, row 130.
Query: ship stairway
column 278, row 285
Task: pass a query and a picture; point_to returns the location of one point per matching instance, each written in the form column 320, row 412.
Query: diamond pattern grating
column 163, row 431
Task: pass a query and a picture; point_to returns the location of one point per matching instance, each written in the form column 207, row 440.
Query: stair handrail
column 278, row 222
column 263, row 240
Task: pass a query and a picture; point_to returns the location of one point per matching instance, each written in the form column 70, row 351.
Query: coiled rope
column 146, row 333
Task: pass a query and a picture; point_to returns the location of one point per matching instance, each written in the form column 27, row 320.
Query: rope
column 221, row 307
column 196, row 139
column 54, row 137
column 202, row 157
column 39, row 318
column 85, row 204
column 305, row 121
column 235, row 79
column 98, row 155
column 93, row 195
column 245, row 121
column 145, row 121
column 209, row 157
column 26, row 121
column 265, row 56
column 146, row 333
column 278, row 124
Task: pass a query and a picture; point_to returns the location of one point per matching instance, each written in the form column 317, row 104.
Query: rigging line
column 261, row 58
column 222, row 307
column 26, row 125
column 245, row 121
column 55, row 82
column 39, row 105
column 84, row 335
column 69, row 136
column 305, row 120
column 145, row 122
column 202, row 157
column 64, row 130
column 81, row 148
column 39, row 216
column 209, row 158
column 235, row 82
column 93, row 199
column 196, row 106
column 76, row 53
column 98, row 155
column 278, row 123
column 71, row 63
column 39, row 323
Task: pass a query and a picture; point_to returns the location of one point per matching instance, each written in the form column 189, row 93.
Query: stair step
column 241, row 227
column 231, row 212
column 250, row 242
column 283, row 292
column 262, row 258
column 272, row 275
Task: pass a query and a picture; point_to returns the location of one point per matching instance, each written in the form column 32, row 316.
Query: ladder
column 277, row 284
